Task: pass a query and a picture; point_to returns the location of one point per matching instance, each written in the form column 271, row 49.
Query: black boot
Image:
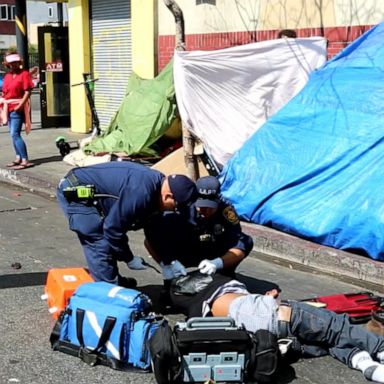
column 165, row 295
column 126, row 282
column 376, row 324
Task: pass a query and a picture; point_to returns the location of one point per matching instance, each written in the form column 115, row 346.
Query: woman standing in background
column 17, row 88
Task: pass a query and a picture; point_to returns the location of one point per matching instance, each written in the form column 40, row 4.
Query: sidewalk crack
column 17, row 209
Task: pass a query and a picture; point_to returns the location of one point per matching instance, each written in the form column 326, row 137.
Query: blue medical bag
column 107, row 324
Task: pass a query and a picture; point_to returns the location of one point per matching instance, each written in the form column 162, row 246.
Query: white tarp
column 224, row 96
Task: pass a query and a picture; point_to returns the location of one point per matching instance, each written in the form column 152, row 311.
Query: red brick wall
column 7, row 27
column 338, row 38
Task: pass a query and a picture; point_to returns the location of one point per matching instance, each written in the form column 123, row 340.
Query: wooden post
column 21, row 31
column 188, row 138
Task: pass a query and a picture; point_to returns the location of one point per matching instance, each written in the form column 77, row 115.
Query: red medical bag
column 358, row 306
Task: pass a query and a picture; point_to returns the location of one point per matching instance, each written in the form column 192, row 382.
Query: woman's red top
column 15, row 85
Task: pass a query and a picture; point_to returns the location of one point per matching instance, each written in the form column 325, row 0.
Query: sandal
column 13, row 163
column 23, row 166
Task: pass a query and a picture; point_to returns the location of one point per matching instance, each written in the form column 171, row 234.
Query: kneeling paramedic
column 312, row 331
column 102, row 202
column 208, row 236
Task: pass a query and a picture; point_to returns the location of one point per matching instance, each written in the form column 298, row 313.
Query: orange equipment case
column 60, row 285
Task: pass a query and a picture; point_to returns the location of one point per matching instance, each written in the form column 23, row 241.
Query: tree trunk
column 188, row 138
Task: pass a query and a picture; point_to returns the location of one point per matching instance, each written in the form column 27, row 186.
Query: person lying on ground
column 315, row 331
column 208, row 236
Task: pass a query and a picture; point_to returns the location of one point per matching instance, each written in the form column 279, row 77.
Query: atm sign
column 54, row 66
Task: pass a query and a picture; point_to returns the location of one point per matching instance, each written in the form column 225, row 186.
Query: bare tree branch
column 179, row 20
column 188, row 138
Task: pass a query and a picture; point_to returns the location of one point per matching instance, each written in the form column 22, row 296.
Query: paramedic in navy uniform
column 209, row 237
column 132, row 193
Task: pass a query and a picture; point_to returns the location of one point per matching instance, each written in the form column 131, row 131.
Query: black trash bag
column 191, row 284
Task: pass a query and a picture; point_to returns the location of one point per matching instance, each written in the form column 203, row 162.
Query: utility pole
column 21, row 30
column 60, row 19
column 188, row 138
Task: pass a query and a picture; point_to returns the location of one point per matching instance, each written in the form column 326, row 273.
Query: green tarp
column 147, row 111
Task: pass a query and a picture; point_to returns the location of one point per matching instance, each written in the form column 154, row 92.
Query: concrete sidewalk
column 270, row 244
column 42, row 151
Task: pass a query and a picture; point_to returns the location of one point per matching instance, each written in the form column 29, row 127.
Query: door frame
column 60, row 120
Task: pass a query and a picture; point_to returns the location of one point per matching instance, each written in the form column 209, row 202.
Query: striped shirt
column 252, row 311
column 255, row 312
column 232, row 286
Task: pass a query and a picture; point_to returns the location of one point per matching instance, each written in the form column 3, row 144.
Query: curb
column 289, row 249
column 269, row 245
column 29, row 182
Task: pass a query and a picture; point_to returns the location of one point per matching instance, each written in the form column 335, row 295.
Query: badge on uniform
column 218, row 229
column 205, row 237
column 230, row 215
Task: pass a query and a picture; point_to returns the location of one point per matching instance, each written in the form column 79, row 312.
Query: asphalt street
column 34, row 233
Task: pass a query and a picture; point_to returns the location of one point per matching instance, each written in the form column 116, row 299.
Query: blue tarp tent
column 316, row 168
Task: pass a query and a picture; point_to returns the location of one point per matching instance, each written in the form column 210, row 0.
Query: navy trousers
column 86, row 221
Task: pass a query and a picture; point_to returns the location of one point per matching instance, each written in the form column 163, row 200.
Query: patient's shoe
column 165, row 295
column 126, row 282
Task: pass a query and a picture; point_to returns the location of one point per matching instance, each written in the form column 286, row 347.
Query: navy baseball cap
column 183, row 190
column 208, row 188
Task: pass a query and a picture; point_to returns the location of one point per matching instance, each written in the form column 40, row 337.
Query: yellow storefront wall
column 79, row 62
column 144, row 35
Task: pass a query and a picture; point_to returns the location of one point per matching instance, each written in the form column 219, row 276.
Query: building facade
column 215, row 24
column 40, row 13
column 113, row 38
column 7, row 24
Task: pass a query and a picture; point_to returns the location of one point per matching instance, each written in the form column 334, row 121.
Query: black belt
column 74, row 182
column 283, row 323
column 282, row 329
column 72, row 179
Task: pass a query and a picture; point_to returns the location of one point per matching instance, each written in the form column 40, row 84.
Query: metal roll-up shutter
column 111, row 54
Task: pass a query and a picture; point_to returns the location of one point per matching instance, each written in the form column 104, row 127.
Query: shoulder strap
column 106, row 332
column 55, row 334
column 109, row 323
column 80, row 313
column 91, row 356
column 144, row 348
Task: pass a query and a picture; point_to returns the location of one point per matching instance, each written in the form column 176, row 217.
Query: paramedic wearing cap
column 126, row 195
column 209, row 238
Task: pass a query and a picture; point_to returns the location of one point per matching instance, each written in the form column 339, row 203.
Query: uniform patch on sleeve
column 230, row 215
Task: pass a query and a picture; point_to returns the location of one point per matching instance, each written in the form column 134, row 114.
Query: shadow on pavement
column 49, row 159
column 153, row 291
column 285, row 374
column 18, row 280
column 256, row 285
